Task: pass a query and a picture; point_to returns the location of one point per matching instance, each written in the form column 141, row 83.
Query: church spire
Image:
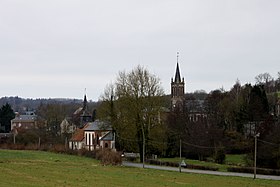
column 177, row 74
column 85, row 102
column 177, row 89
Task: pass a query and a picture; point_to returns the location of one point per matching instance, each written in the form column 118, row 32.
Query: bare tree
column 134, row 101
column 263, row 78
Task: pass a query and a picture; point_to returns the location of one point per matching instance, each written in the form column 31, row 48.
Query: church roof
column 79, row 135
column 98, row 125
column 108, row 137
column 177, row 74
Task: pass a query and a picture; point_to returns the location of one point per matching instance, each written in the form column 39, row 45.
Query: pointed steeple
column 85, row 102
column 177, row 74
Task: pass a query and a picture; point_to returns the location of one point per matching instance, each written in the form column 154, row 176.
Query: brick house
column 25, row 121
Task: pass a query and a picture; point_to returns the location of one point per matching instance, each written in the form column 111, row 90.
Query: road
column 140, row 165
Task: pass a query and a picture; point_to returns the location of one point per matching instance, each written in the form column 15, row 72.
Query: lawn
column 237, row 160
column 35, row 168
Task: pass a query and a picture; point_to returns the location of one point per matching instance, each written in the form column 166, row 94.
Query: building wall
column 23, row 124
column 76, row 145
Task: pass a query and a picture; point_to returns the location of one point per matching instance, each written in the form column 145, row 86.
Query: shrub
column 220, row 156
column 57, row 148
column 251, row 170
column 211, row 168
column 108, row 157
column 175, row 164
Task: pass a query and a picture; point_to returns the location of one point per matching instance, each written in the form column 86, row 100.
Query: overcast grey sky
column 56, row 48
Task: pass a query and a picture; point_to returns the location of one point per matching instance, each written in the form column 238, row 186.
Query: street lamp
column 255, row 160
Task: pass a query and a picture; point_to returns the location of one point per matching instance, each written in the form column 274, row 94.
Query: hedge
column 262, row 171
column 175, row 164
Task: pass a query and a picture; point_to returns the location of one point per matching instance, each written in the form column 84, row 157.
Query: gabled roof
column 108, row 137
column 22, row 118
column 78, row 135
column 98, row 125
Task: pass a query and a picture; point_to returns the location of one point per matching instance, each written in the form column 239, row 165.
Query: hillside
column 34, row 168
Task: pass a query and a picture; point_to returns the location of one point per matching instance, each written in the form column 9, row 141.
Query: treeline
column 208, row 124
column 21, row 105
column 232, row 119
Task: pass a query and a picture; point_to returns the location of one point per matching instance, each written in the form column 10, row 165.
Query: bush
column 211, row 168
column 175, row 164
column 108, row 157
column 57, row 148
column 220, row 156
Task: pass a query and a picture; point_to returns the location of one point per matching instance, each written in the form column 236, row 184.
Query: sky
column 57, row 48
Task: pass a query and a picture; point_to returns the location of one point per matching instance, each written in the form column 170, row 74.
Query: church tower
column 85, row 115
column 177, row 89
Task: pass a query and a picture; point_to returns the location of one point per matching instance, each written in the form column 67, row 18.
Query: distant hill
column 20, row 104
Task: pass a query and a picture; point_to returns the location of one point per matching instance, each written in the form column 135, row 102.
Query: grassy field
column 235, row 160
column 34, row 168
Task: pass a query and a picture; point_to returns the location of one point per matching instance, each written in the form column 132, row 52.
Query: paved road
column 139, row 165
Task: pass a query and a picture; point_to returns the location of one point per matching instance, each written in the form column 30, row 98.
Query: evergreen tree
column 6, row 115
column 258, row 104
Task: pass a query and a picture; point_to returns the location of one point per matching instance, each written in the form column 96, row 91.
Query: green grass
column 237, row 160
column 35, row 168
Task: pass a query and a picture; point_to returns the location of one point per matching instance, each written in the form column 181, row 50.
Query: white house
column 94, row 135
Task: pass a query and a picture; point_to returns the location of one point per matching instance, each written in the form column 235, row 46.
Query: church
column 177, row 89
column 179, row 101
column 91, row 133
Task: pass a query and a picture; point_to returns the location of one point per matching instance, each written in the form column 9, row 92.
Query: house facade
column 94, row 135
column 25, row 121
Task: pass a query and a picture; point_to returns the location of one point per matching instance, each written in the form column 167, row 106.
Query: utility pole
column 255, row 159
column 143, row 147
column 14, row 138
column 143, row 152
column 180, row 156
column 39, row 142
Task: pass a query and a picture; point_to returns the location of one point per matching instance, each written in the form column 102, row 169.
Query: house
column 78, row 139
column 99, row 134
column 25, row 121
column 94, row 135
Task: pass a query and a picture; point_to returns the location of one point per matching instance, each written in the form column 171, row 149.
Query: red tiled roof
column 79, row 134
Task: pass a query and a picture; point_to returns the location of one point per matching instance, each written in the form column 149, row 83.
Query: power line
column 201, row 146
column 166, row 143
column 271, row 143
